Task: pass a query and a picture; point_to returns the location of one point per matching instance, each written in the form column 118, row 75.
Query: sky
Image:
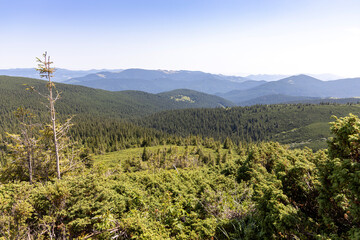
column 233, row 37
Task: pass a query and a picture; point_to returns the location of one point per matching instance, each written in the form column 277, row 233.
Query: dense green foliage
column 176, row 192
column 220, row 191
column 339, row 176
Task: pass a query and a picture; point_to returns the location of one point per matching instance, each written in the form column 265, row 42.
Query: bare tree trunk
column 56, row 147
column 46, row 71
column 53, row 120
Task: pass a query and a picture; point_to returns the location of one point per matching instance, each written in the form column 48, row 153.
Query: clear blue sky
column 218, row 36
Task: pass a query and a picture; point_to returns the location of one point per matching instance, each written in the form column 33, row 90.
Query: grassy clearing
column 171, row 152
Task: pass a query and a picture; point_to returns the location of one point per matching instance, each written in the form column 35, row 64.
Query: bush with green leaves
column 339, row 176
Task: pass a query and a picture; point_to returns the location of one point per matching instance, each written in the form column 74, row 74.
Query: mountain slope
column 191, row 96
column 297, row 124
column 156, row 81
column 277, row 99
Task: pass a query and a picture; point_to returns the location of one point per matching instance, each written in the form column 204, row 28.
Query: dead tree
column 46, row 71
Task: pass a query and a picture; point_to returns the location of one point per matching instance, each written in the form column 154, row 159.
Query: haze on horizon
column 233, row 37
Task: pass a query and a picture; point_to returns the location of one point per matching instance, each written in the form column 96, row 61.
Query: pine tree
column 145, row 155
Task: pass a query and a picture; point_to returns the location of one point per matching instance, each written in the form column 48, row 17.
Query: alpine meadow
column 180, row 120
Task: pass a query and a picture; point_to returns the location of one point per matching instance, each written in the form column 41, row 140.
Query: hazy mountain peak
column 276, row 77
column 301, row 78
column 325, row 76
column 267, row 77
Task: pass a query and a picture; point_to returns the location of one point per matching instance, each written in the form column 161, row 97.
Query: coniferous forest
column 128, row 171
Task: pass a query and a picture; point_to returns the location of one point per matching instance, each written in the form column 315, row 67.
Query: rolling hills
column 79, row 99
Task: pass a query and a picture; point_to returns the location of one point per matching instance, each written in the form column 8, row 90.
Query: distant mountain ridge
column 241, row 91
column 267, row 77
column 61, row 74
column 156, row 81
column 276, row 77
column 298, row 86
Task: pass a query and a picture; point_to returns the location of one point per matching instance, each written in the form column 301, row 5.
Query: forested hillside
column 77, row 99
column 297, row 124
column 278, row 99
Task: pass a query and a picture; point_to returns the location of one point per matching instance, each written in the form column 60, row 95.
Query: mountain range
column 156, row 81
column 238, row 90
column 298, row 86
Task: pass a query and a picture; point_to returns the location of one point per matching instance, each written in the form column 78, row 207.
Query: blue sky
column 223, row 36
